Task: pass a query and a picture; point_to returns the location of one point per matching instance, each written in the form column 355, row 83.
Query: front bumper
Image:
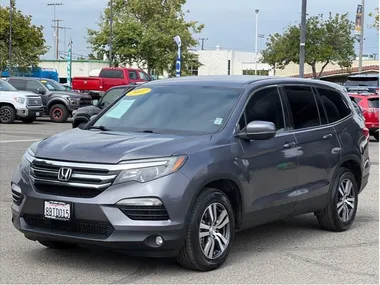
column 98, row 221
column 30, row 112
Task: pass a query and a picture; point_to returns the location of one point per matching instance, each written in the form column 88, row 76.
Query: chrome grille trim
column 33, row 100
column 70, row 184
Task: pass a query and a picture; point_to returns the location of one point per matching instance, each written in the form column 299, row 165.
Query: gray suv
column 175, row 167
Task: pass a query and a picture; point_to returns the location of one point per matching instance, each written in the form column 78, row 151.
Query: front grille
column 151, row 213
column 102, row 230
column 34, row 101
column 17, row 198
column 85, row 182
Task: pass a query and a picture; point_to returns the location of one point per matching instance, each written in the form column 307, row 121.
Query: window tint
column 5, row 86
column 33, row 85
column 18, row 84
column 111, row 95
column 373, row 103
column 302, row 106
column 335, row 106
column 132, row 75
column 144, row 76
column 111, row 73
column 264, row 105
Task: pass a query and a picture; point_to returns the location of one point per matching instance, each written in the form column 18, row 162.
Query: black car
column 362, row 83
column 83, row 115
column 58, row 102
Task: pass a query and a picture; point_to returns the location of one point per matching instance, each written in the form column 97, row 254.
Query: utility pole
column 55, row 28
column 111, row 34
column 64, row 37
column 361, row 43
column 302, row 40
column 256, row 38
column 10, row 38
column 203, row 42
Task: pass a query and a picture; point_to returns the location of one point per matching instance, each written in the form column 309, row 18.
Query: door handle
column 326, row 137
column 290, row 145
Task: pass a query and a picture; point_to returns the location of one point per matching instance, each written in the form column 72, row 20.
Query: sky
column 230, row 24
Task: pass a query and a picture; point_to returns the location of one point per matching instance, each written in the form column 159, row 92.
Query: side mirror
column 258, row 130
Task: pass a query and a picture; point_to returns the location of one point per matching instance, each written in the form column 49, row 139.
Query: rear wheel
column 7, row 115
column 56, row 244
column 211, row 230
column 341, row 211
column 58, row 113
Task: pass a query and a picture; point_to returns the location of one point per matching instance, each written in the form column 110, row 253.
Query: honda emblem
column 64, row 174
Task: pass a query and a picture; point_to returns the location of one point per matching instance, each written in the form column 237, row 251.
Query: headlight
column 150, row 169
column 20, row 100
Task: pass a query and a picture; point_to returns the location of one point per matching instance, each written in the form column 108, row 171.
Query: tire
column 28, row 120
column 58, row 113
column 376, row 136
column 330, row 218
column 56, row 244
column 192, row 256
column 7, row 115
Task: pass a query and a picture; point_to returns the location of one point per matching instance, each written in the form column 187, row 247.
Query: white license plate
column 37, row 114
column 57, row 210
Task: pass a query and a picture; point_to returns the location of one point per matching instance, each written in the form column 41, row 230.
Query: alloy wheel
column 5, row 115
column 214, row 230
column 346, row 200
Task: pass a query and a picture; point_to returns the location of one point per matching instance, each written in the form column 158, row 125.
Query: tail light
column 366, row 132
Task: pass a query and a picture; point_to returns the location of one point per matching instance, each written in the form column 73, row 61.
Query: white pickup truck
column 15, row 104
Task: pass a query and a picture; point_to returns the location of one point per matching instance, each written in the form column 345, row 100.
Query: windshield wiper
column 102, row 128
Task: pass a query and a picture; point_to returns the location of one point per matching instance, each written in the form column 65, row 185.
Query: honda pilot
column 175, row 167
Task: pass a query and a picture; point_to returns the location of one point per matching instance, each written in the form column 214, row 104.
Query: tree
column 28, row 42
column 143, row 33
column 327, row 41
column 375, row 16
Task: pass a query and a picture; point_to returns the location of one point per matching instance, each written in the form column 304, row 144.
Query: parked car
column 18, row 105
column 110, row 77
column 176, row 166
column 58, row 102
column 362, row 83
column 369, row 104
column 83, row 115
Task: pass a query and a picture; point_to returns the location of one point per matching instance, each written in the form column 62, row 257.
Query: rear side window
column 132, row 75
column 18, row 84
column 303, row 106
column 373, row 103
column 111, row 73
column 334, row 104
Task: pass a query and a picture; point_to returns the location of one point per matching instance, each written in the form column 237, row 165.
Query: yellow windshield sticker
column 138, row 92
column 43, row 81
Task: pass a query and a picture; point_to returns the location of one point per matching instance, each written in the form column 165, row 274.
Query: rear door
column 112, row 77
column 317, row 145
column 133, row 76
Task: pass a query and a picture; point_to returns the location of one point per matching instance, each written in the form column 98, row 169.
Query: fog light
column 159, row 240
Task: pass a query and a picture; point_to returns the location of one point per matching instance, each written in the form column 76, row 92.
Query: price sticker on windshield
column 138, row 92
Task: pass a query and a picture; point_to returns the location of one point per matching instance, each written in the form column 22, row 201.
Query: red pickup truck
column 110, row 77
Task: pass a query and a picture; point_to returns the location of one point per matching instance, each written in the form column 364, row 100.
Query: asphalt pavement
column 293, row 251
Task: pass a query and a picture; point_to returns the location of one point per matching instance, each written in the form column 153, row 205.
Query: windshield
column 53, row 86
column 362, row 81
column 5, row 86
column 171, row 109
column 111, row 96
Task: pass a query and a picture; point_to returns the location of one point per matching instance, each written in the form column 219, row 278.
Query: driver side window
column 264, row 105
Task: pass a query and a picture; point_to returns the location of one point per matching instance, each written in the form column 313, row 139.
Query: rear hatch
column 372, row 112
column 365, row 83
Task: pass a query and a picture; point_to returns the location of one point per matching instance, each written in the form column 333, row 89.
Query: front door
column 271, row 164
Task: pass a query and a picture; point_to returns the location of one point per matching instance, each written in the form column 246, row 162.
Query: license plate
column 57, row 210
column 37, row 114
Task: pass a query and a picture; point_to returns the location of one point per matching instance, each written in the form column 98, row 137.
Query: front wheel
column 340, row 213
column 58, row 113
column 7, row 115
column 211, row 230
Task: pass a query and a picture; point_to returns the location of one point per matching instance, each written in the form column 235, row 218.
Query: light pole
column 10, row 38
column 257, row 37
column 302, row 40
column 111, row 35
column 361, row 43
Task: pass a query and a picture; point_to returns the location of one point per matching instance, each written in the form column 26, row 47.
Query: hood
column 88, row 110
column 73, row 95
column 20, row 93
column 94, row 146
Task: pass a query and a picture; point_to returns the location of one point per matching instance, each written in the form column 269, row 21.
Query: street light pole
column 256, row 40
column 10, row 38
column 111, row 35
column 302, row 40
column 361, row 44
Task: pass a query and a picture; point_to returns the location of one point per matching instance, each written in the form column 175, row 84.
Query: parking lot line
column 16, row 141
